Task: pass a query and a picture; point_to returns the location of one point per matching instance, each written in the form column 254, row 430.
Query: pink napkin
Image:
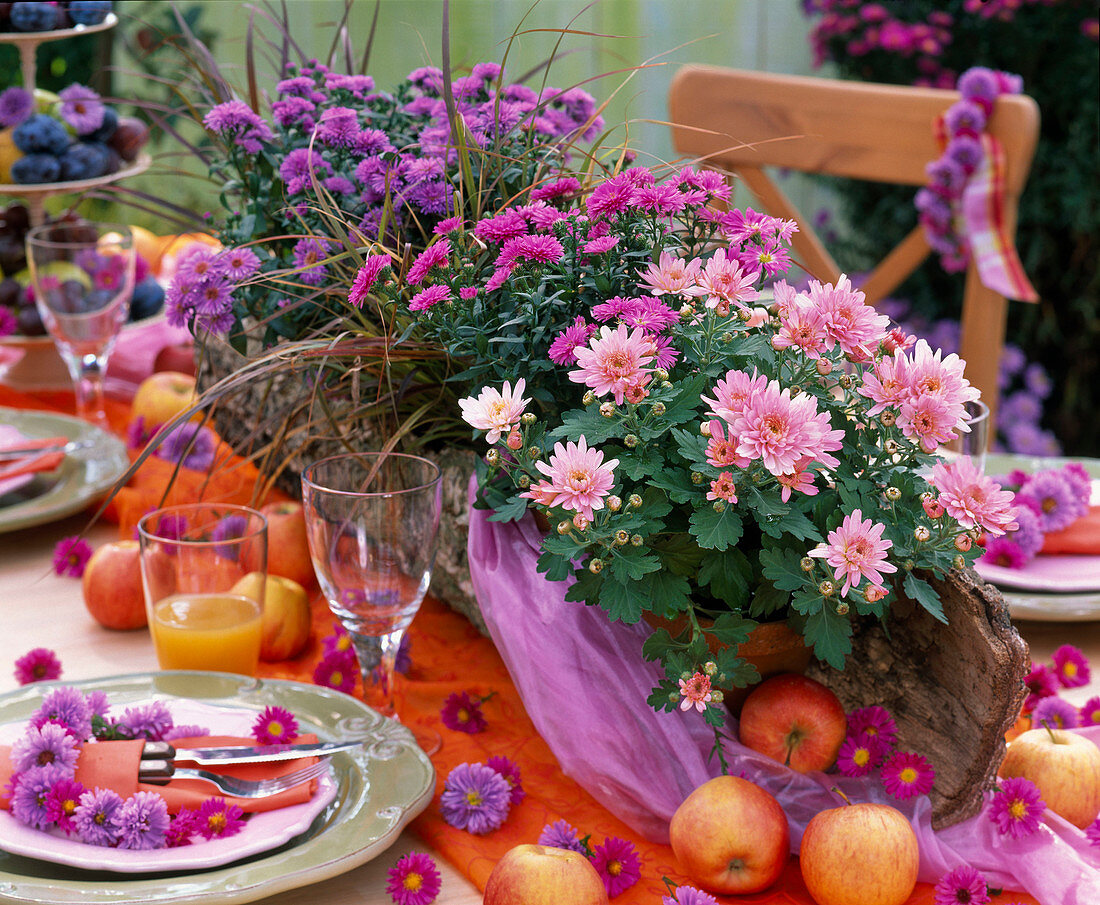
column 135, row 355
column 1081, row 537
column 17, row 472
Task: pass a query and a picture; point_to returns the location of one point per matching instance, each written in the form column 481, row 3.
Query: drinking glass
column 372, row 520
column 83, row 277
column 974, row 443
column 204, row 572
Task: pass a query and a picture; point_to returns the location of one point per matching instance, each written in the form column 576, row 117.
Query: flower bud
column 824, row 367
column 776, row 343
column 826, row 588
column 710, row 668
column 595, row 566
column 673, row 696
column 887, row 417
column 874, row 593
column 891, row 447
column 686, row 675
column 704, row 428
column 842, row 608
column 630, row 441
column 523, row 480
column 636, row 540
column 534, row 452
column 807, row 564
column 634, row 501
column 580, row 522
column 658, row 408
column 515, row 439
column 614, row 503
column 622, row 536
column 908, row 565
column 717, row 696
column 588, row 398
column 687, row 311
column 697, row 478
column 719, row 506
column 564, row 527
column 493, row 456
column 958, row 562
column 607, row 409
column 963, row 542
column 845, row 382
column 933, row 508
column 893, row 494
column 795, row 390
column 921, row 533
column 529, row 418
column 660, row 374
column 726, row 337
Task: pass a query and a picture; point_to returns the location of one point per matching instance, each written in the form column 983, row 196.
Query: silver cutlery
column 244, row 754
column 165, row 771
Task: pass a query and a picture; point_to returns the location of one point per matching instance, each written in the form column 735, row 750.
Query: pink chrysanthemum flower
column 930, row 374
column 617, row 863
column 579, row 478
column 1071, row 666
column 850, row 322
column 509, row 769
column 733, row 392
column 1089, row 715
column 462, row 713
column 275, row 725
column 856, row 550
column 217, row 819
column 37, row 665
column 929, row 420
column 71, row 555
column 859, row 755
column 494, row 410
column 876, row 722
column 651, row 314
column 781, row 430
column 887, row 384
column 614, row 362
column 429, row 297
column 695, row 692
column 414, row 880
column 799, row 479
column 366, row 278
column 565, row 343
column 721, row 451
column 1017, row 808
column 673, row 276
column 1041, row 682
column 962, row 886
column 724, row 279
column 722, row 488
column 972, row 498
column 907, row 774
column 613, row 308
column 801, row 326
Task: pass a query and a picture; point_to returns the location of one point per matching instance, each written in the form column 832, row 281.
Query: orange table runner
column 449, row 655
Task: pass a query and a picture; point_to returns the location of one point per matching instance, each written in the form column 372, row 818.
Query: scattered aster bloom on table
column 81, row 108
column 190, row 445
column 859, row 755
column 1071, row 666
column 1090, row 713
column 96, row 817
column 37, row 665
column 149, row 721
column 1041, row 682
column 337, row 669
column 414, row 880
column 71, row 555
column 689, row 895
column 9, row 323
column 1055, row 713
column 462, row 713
column 475, row 798
column 275, row 725
column 218, row 819
column 143, row 822
column 561, row 834
column 1017, row 807
column 907, row 774
column 616, row 861
column 181, row 828
column 509, row 769
column 876, row 722
column 67, row 707
column 963, row 886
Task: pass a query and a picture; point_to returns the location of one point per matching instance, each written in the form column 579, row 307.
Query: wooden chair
column 739, row 122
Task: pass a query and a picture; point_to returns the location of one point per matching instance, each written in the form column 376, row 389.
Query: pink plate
column 1067, row 574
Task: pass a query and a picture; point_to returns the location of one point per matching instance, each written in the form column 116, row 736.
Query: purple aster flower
column 32, row 788
column 1054, row 713
column 965, row 151
column 372, row 142
column 213, row 296
column 339, row 185
column 559, row 188
column 947, row 175
column 979, row 84
column 429, row 297
column 509, row 769
column 1071, row 666
column 1017, row 808
column 16, row 104
column 451, row 224
column 338, row 127
column 81, row 108
column 193, row 446
column 600, row 245
column 1037, row 380
column 9, row 323
column 665, row 354
column 181, row 828
column 43, row 745
column 612, row 308
column 309, row 252
column 39, row 664
column 962, row 886
column 1057, row 504
column 414, row 880
column 578, row 333
column 68, row 708
column 689, row 895
column 293, row 112
column 337, row 669
column 462, row 713
column 217, row 819
column 503, row 226
column 358, row 85
column 433, row 256
column 1004, row 552
column 149, row 721
column 651, row 314
column 61, row 803
column 275, row 725
column 142, row 822
column 1090, row 713
column 70, row 556
column 186, row 730
column 238, row 263
column 560, row 834
column 237, row 120
column 298, row 168
column 475, row 798
column 229, row 527
column 617, row 863
column 540, row 249
column 966, row 118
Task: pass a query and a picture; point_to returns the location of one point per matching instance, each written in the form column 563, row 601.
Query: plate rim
column 41, row 510
column 335, row 849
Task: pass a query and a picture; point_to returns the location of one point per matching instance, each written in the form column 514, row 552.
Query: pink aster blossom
column 859, row 755
column 435, row 255
column 963, row 886
column 616, row 861
column 218, row 819
column 856, row 551
column 1041, row 682
column 600, row 245
column 578, row 333
column 494, row 410
column 71, row 555
column 972, row 498
column 509, row 769
column 724, row 279
column 429, row 297
column 1054, row 713
column 414, row 880
column 695, row 692
column 337, row 669
column 850, row 322
column 578, row 478
column 38, row 665
column 366, row 278
column 722, row 488
column 614, row 362
column 1071, row 666
column 876, row 722
column 907, row 774
column 462, row 713
column 1017, row 808
column 673, row 276
column 540, row 249
column 274, row 726
column 1089, row 715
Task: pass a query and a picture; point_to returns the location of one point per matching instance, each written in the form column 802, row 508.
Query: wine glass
column 83, row 276
column 372, row 520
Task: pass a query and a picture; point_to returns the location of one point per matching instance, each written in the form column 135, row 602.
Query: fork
column 164, row 772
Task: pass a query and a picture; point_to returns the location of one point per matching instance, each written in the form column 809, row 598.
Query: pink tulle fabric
column 584, row 684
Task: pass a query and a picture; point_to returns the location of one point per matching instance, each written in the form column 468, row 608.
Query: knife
column 243, row 754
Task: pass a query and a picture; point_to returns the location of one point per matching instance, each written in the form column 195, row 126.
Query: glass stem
column 88, row 372
column 377, row 664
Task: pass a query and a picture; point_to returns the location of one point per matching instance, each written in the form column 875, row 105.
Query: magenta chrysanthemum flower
column 61, row 804
column 907, row 774
column 181, row 828
column 876, row 722
column 1017, row 808
column 495, row 411
column 275, row 725
column 1071, row 666
column 142, row 822
column 1041, row 682
column 37, row 665
column 337, row 669
column 475, row 798
column 617, row 863
column 462, row 713
column 39, row 746
column 1054, row 713
column 689, row 895
column 71, row 555
column 217, row 819
column 856, row 550
column 509, row 769
column 95, row 817
column 562, row 349
column 578, row 478
column 859, row 755
column 435, row 255
column 1090, row 713
column 962, row 886
column 366, row 278
column 414, row 880
column 561, row 834
column 339, row 640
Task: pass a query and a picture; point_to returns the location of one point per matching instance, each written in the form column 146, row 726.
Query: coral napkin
column 22, row 468
column 1083, row 536
column 114, row 765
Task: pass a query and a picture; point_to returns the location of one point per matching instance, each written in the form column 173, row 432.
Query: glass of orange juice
column 204, row 569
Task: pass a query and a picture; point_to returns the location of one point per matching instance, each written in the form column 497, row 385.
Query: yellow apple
column 542, row 875
column 162, row 396
column 112, row 586
column 731, row 836
column 286, row 619
column 859, row 854
column 1066, row 768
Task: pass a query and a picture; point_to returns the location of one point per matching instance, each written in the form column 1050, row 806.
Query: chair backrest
column 739, row 122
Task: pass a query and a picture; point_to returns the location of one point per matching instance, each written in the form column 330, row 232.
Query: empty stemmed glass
column 372, row 520
column 83, row 277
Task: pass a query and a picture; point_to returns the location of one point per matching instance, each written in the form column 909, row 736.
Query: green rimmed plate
column 363, row 820
column 85, row 475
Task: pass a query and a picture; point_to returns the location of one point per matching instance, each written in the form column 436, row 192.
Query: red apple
column 286, row 620
column 162, row 396
column 541, row 875
column 112, row 586
column 1066, row 768
column 794, row 720
column 859, row 854
column 287, row 543
column 731, row 836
